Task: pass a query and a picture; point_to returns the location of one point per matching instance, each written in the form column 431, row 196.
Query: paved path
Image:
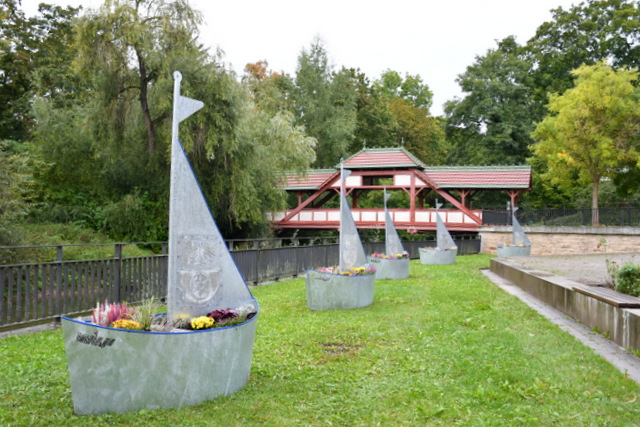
column 625, row 361
column 30, row 329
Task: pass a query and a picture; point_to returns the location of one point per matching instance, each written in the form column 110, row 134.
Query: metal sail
column 443, row 237
column 393, row 244
column 351, row 250
column 519, row 237
column 202, row 275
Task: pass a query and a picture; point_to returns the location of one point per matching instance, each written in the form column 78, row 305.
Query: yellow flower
column 202, row 322
column 126, row 324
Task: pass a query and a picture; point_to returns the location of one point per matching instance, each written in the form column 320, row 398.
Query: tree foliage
column 12, row 181
column 376, row 125
column 108, row 152
column 492, row 123
column 593, row 128
column 423, row 136
column 325, row 104
column 586, row 33
column 394, row 112
column 35, row 54
column 410, row 88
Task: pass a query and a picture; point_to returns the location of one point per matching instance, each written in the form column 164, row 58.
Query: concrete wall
column 564, row 240
column 621, row 325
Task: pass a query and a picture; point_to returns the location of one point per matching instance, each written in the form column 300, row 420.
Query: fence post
column 58, row 287
column 257, row 264
column 117, row 280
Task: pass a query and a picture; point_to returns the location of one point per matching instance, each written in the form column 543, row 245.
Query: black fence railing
column 611, row 216
column 40, row 292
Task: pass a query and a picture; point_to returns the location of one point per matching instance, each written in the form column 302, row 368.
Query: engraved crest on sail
column 350, row 253
column 198, row 277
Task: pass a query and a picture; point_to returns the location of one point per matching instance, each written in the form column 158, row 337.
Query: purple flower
column 223, row 317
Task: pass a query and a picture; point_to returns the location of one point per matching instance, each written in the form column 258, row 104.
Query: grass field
column 443, row 347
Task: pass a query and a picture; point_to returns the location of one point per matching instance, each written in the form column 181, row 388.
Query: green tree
column 95, row 167
column 592, row 129
column 412, row 89
column 35, row 54
column 325, row 104
column 270, row 90
column 394, row 111
column 422, row 135
column 492, row 123
column 584, row 34
column 376, row 125
column 12, row 206
column 127, row 48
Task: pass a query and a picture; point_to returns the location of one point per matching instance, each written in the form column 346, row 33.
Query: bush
column 628, row 279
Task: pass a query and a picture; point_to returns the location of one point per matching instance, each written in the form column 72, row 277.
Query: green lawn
column 444, row 347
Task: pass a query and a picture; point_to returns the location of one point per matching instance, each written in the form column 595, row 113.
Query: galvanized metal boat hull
column 390, row 268
column 508, row 251
column 327, row 291
column 117, row 370
column 435, row 256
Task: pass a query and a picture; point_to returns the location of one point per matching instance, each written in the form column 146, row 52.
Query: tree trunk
column 144, row 104
column 595, row 214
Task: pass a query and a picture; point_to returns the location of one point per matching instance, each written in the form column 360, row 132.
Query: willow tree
column 591, row 130
column 128, row 48
column 109, row 151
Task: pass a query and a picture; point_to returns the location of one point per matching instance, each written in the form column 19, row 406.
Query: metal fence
column 566, row 216
column 41, row 292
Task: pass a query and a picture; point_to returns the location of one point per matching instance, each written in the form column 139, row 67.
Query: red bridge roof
column 480, row 176
column 382, row 158
column 488, row 177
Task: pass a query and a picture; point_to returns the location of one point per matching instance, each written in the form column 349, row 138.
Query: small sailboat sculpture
column 521, row 245
column 120, row 370
column 394, row 263
column 446, row 250
column 351, row 285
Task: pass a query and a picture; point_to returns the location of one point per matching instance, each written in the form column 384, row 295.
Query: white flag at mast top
column 183, row 107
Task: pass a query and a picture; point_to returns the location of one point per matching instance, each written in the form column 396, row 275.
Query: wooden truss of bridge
column 397, row 166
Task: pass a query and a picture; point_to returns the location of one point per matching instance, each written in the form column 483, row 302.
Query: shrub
column 628, row 279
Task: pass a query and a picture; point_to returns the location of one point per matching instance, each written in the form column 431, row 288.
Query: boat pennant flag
column 183, row 107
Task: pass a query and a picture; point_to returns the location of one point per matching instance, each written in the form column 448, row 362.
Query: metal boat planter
column 351, row 284
column 521, row 246
column 120, row 370
column 394, row 263
column 445, row 251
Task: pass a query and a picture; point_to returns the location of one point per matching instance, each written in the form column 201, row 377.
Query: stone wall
column 564, row 240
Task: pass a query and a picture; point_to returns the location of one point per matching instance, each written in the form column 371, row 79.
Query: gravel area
column 585, row 269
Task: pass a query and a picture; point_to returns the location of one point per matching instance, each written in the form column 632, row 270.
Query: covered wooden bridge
column 397, row 169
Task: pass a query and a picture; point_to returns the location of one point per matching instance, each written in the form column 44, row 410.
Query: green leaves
column 592, row 130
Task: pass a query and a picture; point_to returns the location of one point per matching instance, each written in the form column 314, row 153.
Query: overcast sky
column 436, row 40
